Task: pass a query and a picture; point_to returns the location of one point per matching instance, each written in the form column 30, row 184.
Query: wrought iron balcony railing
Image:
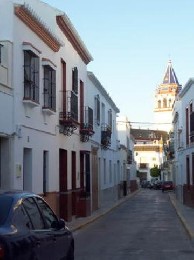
column 129, row 157
column 86, row 126
column 68, row 118
column 105, row 135
column 67, row 123
column 86, row 131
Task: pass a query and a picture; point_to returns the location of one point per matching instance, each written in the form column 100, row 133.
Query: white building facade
column 107, row 169
column 183, row 123
column 6, row 112
column 149, row 151
column 127, row 141
column 58, row 135
column 42, row 73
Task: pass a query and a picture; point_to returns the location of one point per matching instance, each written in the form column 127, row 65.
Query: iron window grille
column 73, row 103
column 49, row 91
column 75, row 80
column 110, row 118
column 97, row 109
column 89, row 117
column 1, row 46
column 31, row 76
column 192, row 127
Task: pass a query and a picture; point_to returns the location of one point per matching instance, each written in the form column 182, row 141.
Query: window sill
column 48, row 111
column 30, row 103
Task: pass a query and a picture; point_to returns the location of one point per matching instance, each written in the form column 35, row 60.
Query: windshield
column 5, row 205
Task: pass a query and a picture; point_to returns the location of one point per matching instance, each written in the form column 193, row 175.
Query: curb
column 182, row 218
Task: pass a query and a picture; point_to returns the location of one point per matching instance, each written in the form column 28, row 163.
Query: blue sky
column 131, row 42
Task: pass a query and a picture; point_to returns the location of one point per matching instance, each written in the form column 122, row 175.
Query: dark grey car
column 29, row 229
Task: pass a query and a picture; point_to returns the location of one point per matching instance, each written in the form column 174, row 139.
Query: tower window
column 164, row 103
column 169, row 102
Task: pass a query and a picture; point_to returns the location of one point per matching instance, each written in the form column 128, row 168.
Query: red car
column 167, row 185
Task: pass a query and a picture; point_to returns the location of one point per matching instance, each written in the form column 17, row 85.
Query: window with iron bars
column 97, row 109
column 31, row 76
column 1, row 46
column 88, row 118
column 74, row 106
column 49, row 88
column 192, row 127
column 110, row 118
column 75, row 80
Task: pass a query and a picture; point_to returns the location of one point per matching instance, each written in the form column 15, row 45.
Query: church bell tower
column 165, row 96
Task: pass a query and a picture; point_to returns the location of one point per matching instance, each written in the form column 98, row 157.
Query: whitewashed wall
column 186, row 98
column 34, row 129
column 108, row 180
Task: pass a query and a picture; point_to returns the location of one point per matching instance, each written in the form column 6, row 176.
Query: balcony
column 86, row 126
column 143, row 166
column 67, row 124
column 68, row 119
column 86, row 131
column 105, row 136
column 170, row 150
column 165, row 165
column 129, row 157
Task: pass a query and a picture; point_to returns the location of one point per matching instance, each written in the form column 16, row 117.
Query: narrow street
column 145, row 227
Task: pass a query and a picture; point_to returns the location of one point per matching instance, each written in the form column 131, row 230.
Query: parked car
column 144, row 184
column 167, row 185
column 29, row 229
column 157, row 185
column 150, row 185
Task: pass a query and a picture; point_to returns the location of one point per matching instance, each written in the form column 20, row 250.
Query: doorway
column 27, row 169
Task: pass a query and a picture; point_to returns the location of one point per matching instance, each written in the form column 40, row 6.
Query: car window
column 21, row 218
column 168, row 182
column 47, row 213
column 5, row 206
column 33, row 213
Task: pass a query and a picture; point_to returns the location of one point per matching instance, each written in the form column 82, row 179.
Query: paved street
column 145, row 227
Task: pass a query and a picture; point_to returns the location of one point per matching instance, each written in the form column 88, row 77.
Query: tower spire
column 170, row 76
